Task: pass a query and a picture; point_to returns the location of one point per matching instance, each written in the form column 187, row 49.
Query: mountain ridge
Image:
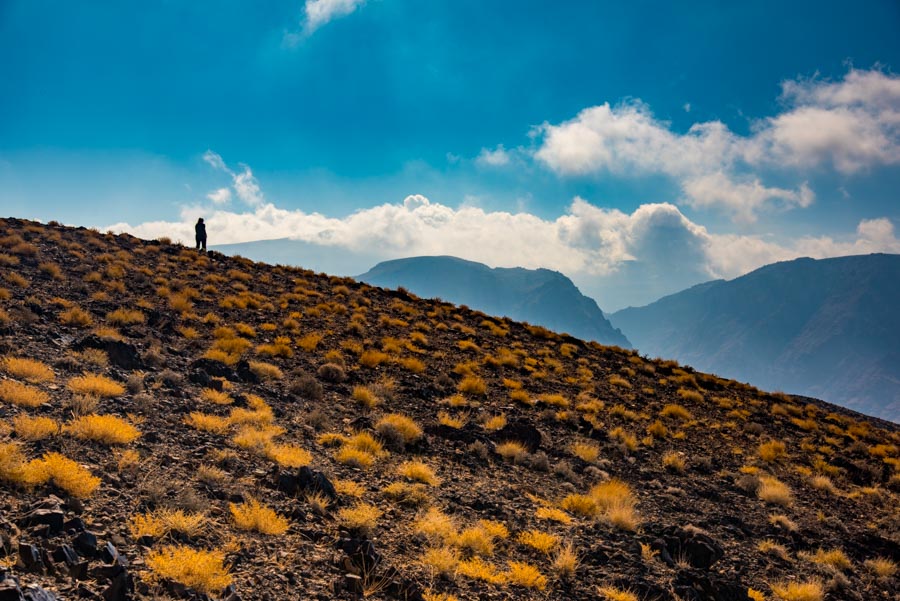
column 540, row 296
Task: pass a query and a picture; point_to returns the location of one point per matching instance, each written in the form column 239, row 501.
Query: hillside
column 828, row 329
column 180, row 425
column 538, row 296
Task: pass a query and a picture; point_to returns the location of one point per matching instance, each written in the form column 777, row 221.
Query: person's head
column 200, row 220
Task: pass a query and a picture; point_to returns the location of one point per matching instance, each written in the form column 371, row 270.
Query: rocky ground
column 409, row 449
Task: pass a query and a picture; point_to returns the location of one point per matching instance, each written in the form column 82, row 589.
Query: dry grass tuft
column 586, row 451
column 611, row 593
column 773, row 490
column 107, row 429
column 95, row 385
column 34, row 428
column 799, row 591
column 399, row 428
column 361, row 518
column 27, row 369
column 472, row 385
column 21, row 394
column 881, row 567
column 252, row 515
column 525, row 574
column 772, row 451
column 418, row 471
column 198, row 569
column 538, row 540
column 158, row 523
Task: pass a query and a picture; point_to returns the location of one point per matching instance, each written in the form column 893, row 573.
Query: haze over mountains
column 822, row 328
column 538, row 296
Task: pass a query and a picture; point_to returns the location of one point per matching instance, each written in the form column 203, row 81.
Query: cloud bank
column 848, row 126
column 320, row 12
column 591, row 244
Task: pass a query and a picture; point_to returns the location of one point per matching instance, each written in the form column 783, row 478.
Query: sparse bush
column 881, row 567
column 773, row 490
column 266, row 371
column 526, row 575
column 799, row 591
column 107, row 429
column 365, row 397
column 163, row 521
column 217, row 397
column 95, row 385
column 472, row 385
column 361, row 518
column 586, row 451
column 34, row 428
column 511, row 450
column 543, row 542
column 125, row 317
column 372, row 358
column 331, row 372
column 772, row 451
column 673, row 461
column 398, row 428
column 418, row 472
column 307, row 387
column 252, row 515
column 27, row 369
column 675, row 412
column 198, row 569
column 22, row 394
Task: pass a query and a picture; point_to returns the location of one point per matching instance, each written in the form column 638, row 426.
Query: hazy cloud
column 591, row 244
column 245, row 186
column 320, row 12
column 498, row 157
column 220, row 196
column 848, row 126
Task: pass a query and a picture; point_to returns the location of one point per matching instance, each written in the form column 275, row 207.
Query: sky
column 638, row 147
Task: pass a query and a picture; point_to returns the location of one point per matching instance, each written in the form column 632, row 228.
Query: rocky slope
column 538, row 296
column 828, row 329
column 177, row 425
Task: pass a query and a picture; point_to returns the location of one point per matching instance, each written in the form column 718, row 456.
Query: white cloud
column 498, row 157
column 654, row 250
column 849, row 126
column 220, row 196
column 245, row 185
column 320, row 12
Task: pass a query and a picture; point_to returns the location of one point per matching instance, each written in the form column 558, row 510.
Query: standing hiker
column 200, row 234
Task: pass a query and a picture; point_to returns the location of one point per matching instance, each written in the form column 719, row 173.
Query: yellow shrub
column 495, row 422
column 27, row 369
column 552, row 514
column 435, row 526
column 95, row 385
column 125, row 317
column 628, row 441
column 451, row 421
column 107, row 429
column 252, row 515
column 541, row 541
column 586, row 451
column 287, row 455
column 555, row 400
column 360, row 518
column 158, row 523
column 354, row 457
column 511, row 449
column 364, row 441
column 398, row 427
column 309, row 342
column 566, row 561
column 217, row 397
column 611, row 593
column 882, row 567
column 412, row 364
column 477, row 569
column 799, row 591
column 365, row 397
column 773, row 490
column 266, row 371
column 199, row 569
column 675, row 412
column 673, row 461
column 372, row 358
column 472, row 385
column 418, row 472
column 834, row 558
column 690, row 395
column 526, row 575
column 66, row 474
column 34, row 428
column 206, row 422
column 443, row 561
column 21, row 394
column 476, row 540
column 772, row 450
column 619, row 381
column 349, row 488
column 581, row 505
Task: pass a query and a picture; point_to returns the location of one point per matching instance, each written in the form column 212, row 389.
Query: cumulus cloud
column 657, row 244
column 245, row 185
column 498, row 157
column 848, row 126
column 320, row 12
column 220, row 196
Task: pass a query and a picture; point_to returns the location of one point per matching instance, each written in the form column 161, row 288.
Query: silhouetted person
column 200, row 234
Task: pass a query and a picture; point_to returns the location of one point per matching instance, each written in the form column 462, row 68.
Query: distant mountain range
column 826, row 328
column 538, row 296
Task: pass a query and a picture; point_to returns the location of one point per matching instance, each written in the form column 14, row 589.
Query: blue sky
column 639, row 146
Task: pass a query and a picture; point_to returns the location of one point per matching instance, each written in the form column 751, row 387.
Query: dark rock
column 86, row 543
column 65, row 554
column 353, row 583
column 9, row 590
column 306, row 480
column 121, row 354
column 53, row 518
column 30, row 557
column 36, row 593
column 109, row 554
column 687, row 544
column 361, row 552
column 448, row 433
column 120, row 588
column 521, row 431
column 76, row 524
column 245, row 373
column 214, row 369
column 691, row 585
column 229, row 594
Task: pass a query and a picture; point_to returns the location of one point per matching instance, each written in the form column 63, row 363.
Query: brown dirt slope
column 179, row 425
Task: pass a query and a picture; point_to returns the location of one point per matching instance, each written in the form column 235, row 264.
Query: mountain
column 184, row 425
column 825, row 328
column 538, row 296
